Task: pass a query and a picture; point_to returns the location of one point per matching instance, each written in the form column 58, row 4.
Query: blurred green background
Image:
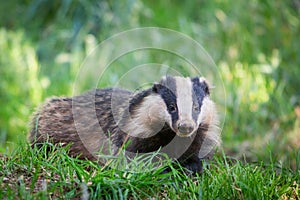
column 255, row 44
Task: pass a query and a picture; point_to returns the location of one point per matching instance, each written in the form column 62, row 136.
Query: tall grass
column 31, row 173
column 254, row 44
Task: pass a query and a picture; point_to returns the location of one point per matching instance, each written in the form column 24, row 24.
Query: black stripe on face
column 199, row 91
column 167, row 90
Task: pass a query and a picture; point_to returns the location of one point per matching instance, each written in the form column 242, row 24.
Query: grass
column 255, row 51
column 31, row 173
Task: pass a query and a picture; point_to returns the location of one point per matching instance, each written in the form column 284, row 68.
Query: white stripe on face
column 184, row 98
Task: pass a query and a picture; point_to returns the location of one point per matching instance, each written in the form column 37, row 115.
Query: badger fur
column 175, row 115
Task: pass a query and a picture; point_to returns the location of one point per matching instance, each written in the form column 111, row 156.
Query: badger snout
column 185, row 128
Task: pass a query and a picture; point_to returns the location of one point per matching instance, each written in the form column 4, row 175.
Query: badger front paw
column 192, row 165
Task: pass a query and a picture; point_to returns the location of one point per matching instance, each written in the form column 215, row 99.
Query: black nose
column 185, row 128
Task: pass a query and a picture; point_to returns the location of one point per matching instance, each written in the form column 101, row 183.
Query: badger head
column 187, row 103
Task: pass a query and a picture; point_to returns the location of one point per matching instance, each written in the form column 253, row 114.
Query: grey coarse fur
column 87, row 120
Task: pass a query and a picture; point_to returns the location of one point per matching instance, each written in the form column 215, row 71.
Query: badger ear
column 156, row 87
column 202, row 83
column 205, row 85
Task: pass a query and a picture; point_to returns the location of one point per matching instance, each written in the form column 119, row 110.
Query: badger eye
column 172, row 108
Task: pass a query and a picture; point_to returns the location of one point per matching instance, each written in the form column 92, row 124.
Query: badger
column 175, row 115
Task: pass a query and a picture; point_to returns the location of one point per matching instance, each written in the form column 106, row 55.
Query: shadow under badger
column 175, row 115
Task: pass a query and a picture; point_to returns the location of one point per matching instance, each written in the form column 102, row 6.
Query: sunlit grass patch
column 30, row 173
